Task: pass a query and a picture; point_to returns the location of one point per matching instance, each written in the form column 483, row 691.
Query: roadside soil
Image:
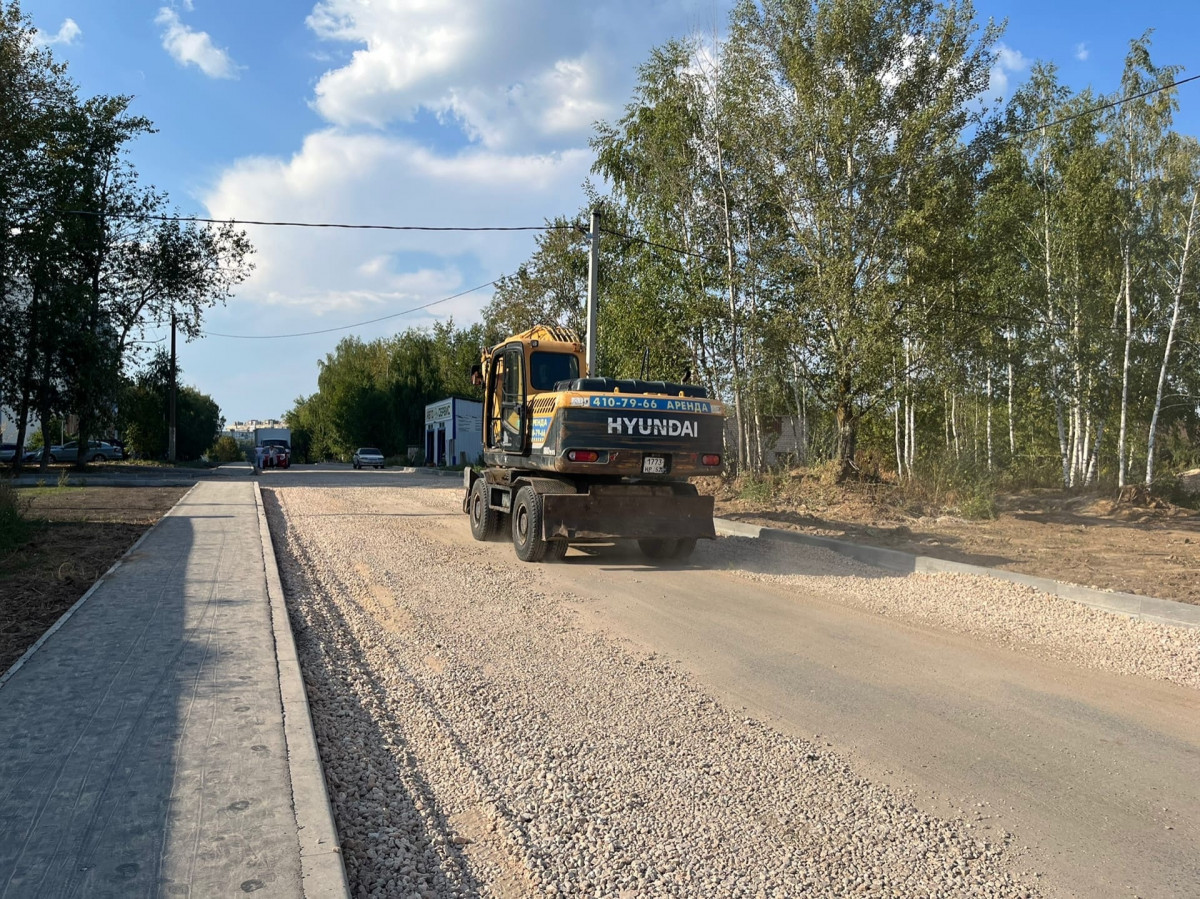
column 77, row 533
column 1131, row 543
column 1135, row 544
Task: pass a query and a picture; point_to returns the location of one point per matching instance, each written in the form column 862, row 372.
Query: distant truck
column 276, row 444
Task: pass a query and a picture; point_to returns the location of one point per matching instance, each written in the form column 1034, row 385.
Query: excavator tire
column 527, row 526
column 484, row 521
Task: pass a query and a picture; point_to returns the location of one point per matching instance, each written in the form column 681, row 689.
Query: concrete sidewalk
column 157, row 742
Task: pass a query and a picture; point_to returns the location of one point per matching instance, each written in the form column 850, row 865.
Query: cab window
column 547, row 369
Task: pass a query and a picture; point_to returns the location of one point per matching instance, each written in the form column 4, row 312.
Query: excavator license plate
column 654, row 465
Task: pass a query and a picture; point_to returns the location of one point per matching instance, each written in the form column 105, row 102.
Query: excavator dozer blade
column 591, row 516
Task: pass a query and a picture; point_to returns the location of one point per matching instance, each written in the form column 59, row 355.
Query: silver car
column 368, row 455
column 98, row 451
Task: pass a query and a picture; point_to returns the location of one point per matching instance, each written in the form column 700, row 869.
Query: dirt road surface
column 763, row 721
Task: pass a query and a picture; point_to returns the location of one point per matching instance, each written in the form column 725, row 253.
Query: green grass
column 14, row 527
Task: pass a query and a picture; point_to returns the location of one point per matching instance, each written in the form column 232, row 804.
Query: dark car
column 8, row 452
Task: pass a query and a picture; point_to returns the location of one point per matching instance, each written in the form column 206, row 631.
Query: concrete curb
column 62, row 619
column 1146, row 608
column 101, row 480
column 322, row 871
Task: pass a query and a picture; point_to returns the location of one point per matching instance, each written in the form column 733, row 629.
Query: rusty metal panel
column 586, row 515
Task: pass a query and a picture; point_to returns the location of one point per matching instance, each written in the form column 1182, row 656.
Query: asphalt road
column 1097, row 774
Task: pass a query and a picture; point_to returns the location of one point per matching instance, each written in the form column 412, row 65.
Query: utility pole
column 171, row 426
column 592, row 298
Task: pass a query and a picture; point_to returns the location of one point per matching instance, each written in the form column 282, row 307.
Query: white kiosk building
column 453, row 432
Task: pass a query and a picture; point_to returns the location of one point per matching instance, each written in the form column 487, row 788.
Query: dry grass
column 73, row 535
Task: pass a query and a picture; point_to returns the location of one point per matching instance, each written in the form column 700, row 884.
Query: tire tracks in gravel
column 479, row 741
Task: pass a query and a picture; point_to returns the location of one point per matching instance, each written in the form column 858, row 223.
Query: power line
column 338, row 225
column 1094, row 109
column 348, row 327
column 1120, row 101
column 655, row 244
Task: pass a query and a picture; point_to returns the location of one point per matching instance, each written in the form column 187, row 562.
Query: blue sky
column 421, row 112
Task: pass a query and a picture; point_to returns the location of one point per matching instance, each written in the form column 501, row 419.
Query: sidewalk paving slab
column 145, row 749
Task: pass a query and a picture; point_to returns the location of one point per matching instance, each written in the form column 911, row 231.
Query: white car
column 368, row 455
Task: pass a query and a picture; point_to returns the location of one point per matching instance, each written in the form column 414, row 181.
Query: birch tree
column 870, row 102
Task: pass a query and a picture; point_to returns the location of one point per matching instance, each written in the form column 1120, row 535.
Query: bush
column 1173, row 489
column 756, row 489
column 13, row 526
column 226, row 449
column 946, row 484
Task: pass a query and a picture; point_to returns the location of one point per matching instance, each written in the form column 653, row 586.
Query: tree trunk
column 1094, row 462
column 1012, row 430
column 1064, row 454
column 33, row 341
column 847, row 428
column 989, row 418
column 899, row 454
column 1122, row 435
column 954, row 424
column 1162, row 371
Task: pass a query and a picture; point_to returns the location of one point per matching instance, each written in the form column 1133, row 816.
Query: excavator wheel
column 483, row 520
column 527, row 526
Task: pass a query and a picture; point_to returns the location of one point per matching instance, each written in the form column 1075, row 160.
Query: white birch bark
column 954, row 424
column 1062, row 443
column 989, row 418
column 1012, row 428
column 1123, row 433
column 1162, row 371
column 1094, row 462
column 899, row 454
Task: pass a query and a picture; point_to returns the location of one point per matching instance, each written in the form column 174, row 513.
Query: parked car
column 8, row 452
column 275, row 456
column 98, row 451
column 368, row 455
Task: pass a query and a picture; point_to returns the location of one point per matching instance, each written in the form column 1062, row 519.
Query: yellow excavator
column 570, row 458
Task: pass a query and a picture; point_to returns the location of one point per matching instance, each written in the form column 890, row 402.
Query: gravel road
column 480, row 741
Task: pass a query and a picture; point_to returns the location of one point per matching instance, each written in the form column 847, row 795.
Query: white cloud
column 188, row 47
column 339, row 177
column 1008, row 61
column 67, row 33
column 510, row 75
column 515, row 86
column 1081, row 52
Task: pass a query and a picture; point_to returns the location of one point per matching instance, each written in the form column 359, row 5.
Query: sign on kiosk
column 442, row 411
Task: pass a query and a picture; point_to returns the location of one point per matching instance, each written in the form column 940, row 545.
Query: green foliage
column 1173, row 489
column 955, row 485
column 14, row 528
column 374, row 394
column 226, row 449
column 144, row 415
column 757, row 488
column 77, row 291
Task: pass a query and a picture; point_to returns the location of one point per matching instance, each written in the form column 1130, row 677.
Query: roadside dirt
column 1131, row 543
column 77, row 534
